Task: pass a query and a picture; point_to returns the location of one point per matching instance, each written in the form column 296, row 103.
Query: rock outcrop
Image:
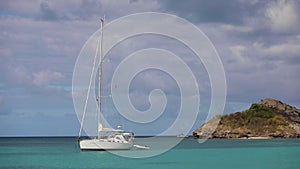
column 268, row 118
column 286, row 110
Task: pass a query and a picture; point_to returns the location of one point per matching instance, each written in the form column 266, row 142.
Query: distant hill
column 268, row 118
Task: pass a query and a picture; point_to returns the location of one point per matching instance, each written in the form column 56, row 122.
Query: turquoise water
column 59, row 153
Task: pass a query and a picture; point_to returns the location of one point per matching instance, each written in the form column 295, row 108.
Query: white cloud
column 283, row 16
column 284, row 50
column 234, row 28
column 43, row 78
column 237, row 51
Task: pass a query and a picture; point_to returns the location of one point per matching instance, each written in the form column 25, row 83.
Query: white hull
column 102, row 144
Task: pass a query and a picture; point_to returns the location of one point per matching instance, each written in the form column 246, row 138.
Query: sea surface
column 57, row 153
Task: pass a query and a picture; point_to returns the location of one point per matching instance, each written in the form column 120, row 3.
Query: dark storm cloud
column 83, row 10
column 233, row 11
column 89, row 9
column 46, row 12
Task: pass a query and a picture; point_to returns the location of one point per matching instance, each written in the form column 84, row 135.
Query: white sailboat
column 107, row 138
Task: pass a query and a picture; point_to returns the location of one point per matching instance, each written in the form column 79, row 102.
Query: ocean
column 60, row 153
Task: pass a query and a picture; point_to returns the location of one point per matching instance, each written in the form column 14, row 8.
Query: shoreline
column 260, row 138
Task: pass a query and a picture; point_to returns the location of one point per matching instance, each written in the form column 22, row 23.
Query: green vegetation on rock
column 262, row 119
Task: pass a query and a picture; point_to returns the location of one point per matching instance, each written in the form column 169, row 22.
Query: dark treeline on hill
column 268, row 118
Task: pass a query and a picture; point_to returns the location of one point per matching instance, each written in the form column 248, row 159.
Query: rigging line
column 89, row 89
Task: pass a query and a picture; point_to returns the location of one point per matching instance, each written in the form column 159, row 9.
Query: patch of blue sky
column 4, row 12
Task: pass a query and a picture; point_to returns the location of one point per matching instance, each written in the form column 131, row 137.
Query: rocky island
column 268, row 118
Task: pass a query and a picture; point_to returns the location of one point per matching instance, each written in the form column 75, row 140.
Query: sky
column 257, row 42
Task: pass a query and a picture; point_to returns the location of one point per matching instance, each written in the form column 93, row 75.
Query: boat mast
column 100, row 78
column 89, row 88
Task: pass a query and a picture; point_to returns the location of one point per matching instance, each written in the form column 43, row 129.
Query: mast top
column 102, row 19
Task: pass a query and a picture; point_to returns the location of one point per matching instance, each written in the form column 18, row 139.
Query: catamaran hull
column 95, row 144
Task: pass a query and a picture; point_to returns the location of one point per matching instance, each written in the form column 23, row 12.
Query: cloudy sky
column 258, row 43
